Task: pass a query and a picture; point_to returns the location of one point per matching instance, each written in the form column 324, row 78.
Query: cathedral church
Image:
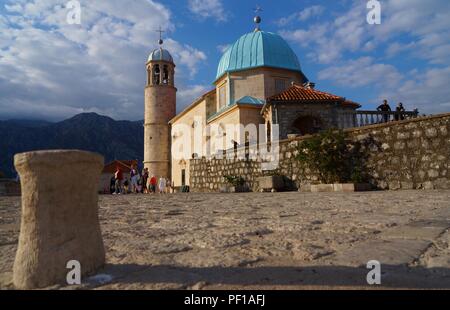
column 259, row 81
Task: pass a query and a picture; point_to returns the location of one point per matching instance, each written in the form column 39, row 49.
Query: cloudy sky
column 50, row 69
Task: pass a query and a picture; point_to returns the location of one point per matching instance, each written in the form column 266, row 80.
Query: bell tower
column 160, row 108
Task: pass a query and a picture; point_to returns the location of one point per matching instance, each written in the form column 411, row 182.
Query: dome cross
column 257, row 18
column 160, row 42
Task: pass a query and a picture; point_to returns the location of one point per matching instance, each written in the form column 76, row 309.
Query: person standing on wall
column 399, row 112
column 385, row 108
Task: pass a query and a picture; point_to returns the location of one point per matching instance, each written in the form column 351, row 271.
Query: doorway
column 308, row 125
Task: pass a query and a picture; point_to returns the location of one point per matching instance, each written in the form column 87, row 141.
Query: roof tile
column 301, row 93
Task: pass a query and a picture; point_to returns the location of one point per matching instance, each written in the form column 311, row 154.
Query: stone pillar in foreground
column 59, row 216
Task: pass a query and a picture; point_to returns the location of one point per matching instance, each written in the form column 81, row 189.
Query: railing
column 364, row 118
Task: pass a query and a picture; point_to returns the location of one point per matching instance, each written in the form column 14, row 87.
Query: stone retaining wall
column 9, row 188
column 411, row 154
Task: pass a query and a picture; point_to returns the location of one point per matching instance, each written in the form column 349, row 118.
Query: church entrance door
column 306, row 125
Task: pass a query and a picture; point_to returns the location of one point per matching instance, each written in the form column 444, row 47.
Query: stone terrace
column 264, row 241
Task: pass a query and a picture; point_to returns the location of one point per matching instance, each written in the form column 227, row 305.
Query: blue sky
column 52, row 70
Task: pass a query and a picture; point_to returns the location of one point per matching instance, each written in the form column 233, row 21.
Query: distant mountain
column 26, row 123
column 87, row 131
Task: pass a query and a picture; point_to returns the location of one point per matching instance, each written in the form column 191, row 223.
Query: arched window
column 156, row 75
column 165, row 75
column 269, row 132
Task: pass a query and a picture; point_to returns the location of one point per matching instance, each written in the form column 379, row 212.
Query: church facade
column 259, row 84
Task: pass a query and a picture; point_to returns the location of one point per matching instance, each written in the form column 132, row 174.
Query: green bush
column 333, row 157
column 234, row 180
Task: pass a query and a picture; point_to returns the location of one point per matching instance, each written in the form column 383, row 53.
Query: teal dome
column 258, row 49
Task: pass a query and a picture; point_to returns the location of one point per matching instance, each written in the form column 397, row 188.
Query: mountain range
column 123, row 140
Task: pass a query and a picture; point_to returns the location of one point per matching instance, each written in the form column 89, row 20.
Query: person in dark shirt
column 399, row 112
column 385, row 108
column 112, row 185
column 144, row 177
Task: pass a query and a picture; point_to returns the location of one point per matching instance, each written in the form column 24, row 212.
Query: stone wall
column 331, row 116
column 9, row 188
column 411, row 154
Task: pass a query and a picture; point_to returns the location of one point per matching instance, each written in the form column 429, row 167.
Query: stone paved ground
column 264, row 241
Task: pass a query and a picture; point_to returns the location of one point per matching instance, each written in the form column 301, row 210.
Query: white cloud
column 192, row 91
column 362, row 72
column 425, row 23
column 304, row 15
column 311, row 11
column 223, row 48
column 52, row 70
column 428, row 91
column 413, row 29
column 208, row 9
column 186, row 55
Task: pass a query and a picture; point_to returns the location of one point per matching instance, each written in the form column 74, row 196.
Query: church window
column 165, row 75
column 156, row 75
column 280, row 85
column 222, row 97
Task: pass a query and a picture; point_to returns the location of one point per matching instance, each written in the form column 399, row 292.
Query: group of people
column 399, row 111
column 144, row 182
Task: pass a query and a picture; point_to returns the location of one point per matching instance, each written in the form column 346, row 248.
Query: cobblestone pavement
column 263, row 240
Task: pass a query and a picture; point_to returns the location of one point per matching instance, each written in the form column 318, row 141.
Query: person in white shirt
column 162, row 185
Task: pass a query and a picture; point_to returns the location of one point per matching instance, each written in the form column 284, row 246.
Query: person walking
column 153, row 182
column 119, row 179
column 126, row 186
column 144, row 177
column 112, row 185
column 400, row 112
column 134, row 175
column 385, row 108
column 162, row 185
column 169, row 186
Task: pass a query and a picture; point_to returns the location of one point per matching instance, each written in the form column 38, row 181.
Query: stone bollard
column 59, row 216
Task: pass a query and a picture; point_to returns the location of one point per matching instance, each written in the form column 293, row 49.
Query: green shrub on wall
column 234, row 180
column 333, row 157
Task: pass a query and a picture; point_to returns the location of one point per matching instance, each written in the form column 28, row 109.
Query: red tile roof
column 301, row 93
column 125, row 166
column 352, row 104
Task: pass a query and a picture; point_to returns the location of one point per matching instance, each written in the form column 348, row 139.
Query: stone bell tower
column 160, row 108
